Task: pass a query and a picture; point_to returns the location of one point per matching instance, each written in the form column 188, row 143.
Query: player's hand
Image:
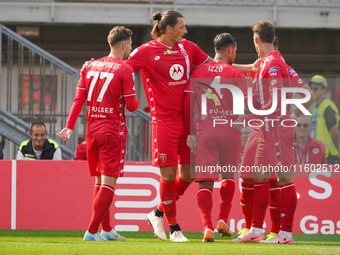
column 238, row 124
column 249, row 82
column 65, row 134
column 86, row 64
column 191, row 142
column 256, row 65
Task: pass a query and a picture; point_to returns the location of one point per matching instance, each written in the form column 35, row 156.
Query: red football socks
column 168, row 198
column 275, row 207
column 288, row 206
column 180, row 187
column 205, row 203
column 227, row 191
column 246, row 201
column 100, row 206
column 96, row 190
column 261, row 200
column 106, row 226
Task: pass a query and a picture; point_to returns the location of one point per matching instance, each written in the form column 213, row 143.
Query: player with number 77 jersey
column 107, row 84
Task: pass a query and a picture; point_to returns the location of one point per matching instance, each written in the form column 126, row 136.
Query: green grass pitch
column 70, row 242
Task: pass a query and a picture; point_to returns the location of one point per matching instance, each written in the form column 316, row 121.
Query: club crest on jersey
column 176, row 72
column 171, row 51
column 315, row 150
column 163, row 157
column 273, row 69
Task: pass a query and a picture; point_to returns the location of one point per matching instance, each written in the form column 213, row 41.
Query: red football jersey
column 212, row 84
column 273, row 73
column 103, row 83
column 295, row 81
column 294, row 78
column 165, row 73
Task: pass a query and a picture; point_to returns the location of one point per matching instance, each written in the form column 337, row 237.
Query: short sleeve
column 137, row 58
column 199, row 57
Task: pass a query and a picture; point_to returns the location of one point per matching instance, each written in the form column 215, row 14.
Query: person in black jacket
column 38, row 147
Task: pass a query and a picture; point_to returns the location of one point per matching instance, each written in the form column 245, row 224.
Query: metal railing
column 36, row 86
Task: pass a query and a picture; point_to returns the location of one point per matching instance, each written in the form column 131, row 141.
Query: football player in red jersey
column 274, row 147
column 166, row 63
column 247, row 184
column 107, row 84
column 217, row 145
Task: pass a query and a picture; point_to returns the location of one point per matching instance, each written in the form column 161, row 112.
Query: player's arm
column 209, row 59
column 275, row 82
column 190, row 123
column 297, row 112
column 85, row 65
column 131, row 103
column 199, row 57
column 129, row 93
column 242, row 83
column 247, row 68
column 189, row 116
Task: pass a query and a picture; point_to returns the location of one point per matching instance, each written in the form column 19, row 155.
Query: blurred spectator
column 38, row 147
column 1, row 154
column 307, row 149
column 325, row 120
column 81, row 152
